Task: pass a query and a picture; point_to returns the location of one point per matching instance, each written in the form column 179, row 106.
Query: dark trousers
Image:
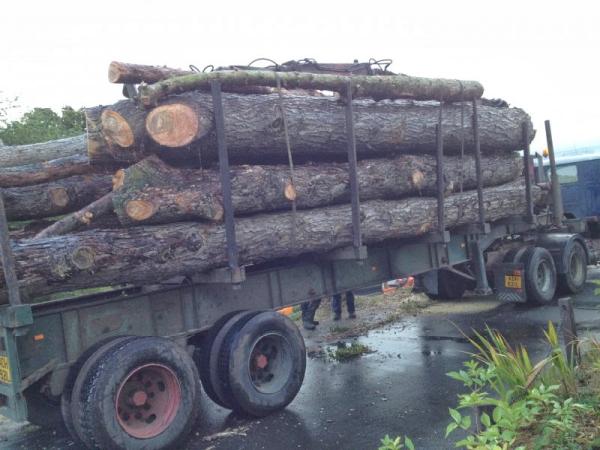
column 309, row 309
column 336, row 303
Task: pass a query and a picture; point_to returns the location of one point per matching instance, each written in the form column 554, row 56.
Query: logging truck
column 124, row 368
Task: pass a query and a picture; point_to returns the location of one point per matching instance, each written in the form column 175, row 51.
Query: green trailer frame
column 44, row 340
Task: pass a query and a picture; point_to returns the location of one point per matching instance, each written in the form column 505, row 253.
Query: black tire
column 450, row 286
column 202, row 358
column 540, row 275
column 219, row 358
column 573, row 280
column 272, row 339
column 102, row 385
column 65, row 398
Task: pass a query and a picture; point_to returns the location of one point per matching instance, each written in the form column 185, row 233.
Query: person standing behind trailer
column 336, row 305
column 308, row 314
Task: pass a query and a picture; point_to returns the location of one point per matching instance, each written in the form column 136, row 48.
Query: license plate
column 511, row 281
column 4, row 370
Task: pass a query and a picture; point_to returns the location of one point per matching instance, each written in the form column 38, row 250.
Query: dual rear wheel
column 143, row 392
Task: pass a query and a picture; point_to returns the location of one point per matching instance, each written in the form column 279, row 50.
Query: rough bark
column 45, row 171
column 316, row 125
column 119, row 72
column 149, row 254
column 54, row 198
column 19, row 155
column 376, row 86
column 116, row 133
column 152, row 192
column 84, row 217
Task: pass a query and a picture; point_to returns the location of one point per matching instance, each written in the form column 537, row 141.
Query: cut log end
column 59, row 196
column 115, row 72
column 118, row 179
column 83, row 258
column 173, row 125
column 139, row 210
column 116, row 129
column 290, row 192
column 417, row 179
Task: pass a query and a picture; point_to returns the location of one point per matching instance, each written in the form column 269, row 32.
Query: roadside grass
column 513, row 403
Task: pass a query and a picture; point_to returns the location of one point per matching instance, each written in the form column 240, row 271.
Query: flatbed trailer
column 123, row 369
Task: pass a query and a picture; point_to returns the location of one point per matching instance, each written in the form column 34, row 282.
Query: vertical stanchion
column 477, row 144
column 440, row 173
column 527, row 165
column 232, row 251
column 8, row 259
column 557, row 205
column 350, row 138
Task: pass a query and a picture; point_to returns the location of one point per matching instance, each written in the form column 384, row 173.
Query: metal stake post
column 557, row 204
column 350, row 138
column 8, row 259
column 481, row 209
column 232, row 251
column 527, row 160
column 440, row 173
column 569, row 329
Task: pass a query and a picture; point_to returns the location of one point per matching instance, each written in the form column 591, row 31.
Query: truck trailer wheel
column 267, row 361
column 141, row 393
column 540, row 275
column 97, row 349
column 218, row 362
column 202, row 358
column 573, row 280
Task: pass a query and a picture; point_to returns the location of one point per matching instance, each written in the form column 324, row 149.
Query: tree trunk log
column 317, row 127
column 152, row 192
column 84, row 217
column 116, row 133
column 44, row 172
column 375, row 86
column 150, row 254
column 119, row 72
column 19, row 155
column 55, row 198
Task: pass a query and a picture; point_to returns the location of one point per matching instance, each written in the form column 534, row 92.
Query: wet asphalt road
column 401, row 388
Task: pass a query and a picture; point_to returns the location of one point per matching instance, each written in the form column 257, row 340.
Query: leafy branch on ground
column 344, row 351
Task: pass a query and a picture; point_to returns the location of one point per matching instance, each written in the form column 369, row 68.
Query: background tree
column 40, row 125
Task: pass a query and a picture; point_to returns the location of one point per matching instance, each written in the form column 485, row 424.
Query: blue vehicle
column 579, row 175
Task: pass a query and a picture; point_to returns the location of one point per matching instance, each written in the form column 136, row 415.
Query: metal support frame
column 482, row 286
column 232, row 250
column 527, row 164
column 557, row 204
column 359, row 248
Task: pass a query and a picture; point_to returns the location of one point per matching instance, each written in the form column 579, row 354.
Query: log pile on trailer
column 319, row 161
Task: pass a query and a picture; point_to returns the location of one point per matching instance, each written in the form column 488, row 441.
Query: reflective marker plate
column 4, row 370
column 511, row 281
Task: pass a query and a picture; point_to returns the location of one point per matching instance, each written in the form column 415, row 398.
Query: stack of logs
column 138, row 199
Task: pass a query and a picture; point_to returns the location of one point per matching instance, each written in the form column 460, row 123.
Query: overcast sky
column 541, row 56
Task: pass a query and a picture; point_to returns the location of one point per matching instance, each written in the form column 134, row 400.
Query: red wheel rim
column 147, row 401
